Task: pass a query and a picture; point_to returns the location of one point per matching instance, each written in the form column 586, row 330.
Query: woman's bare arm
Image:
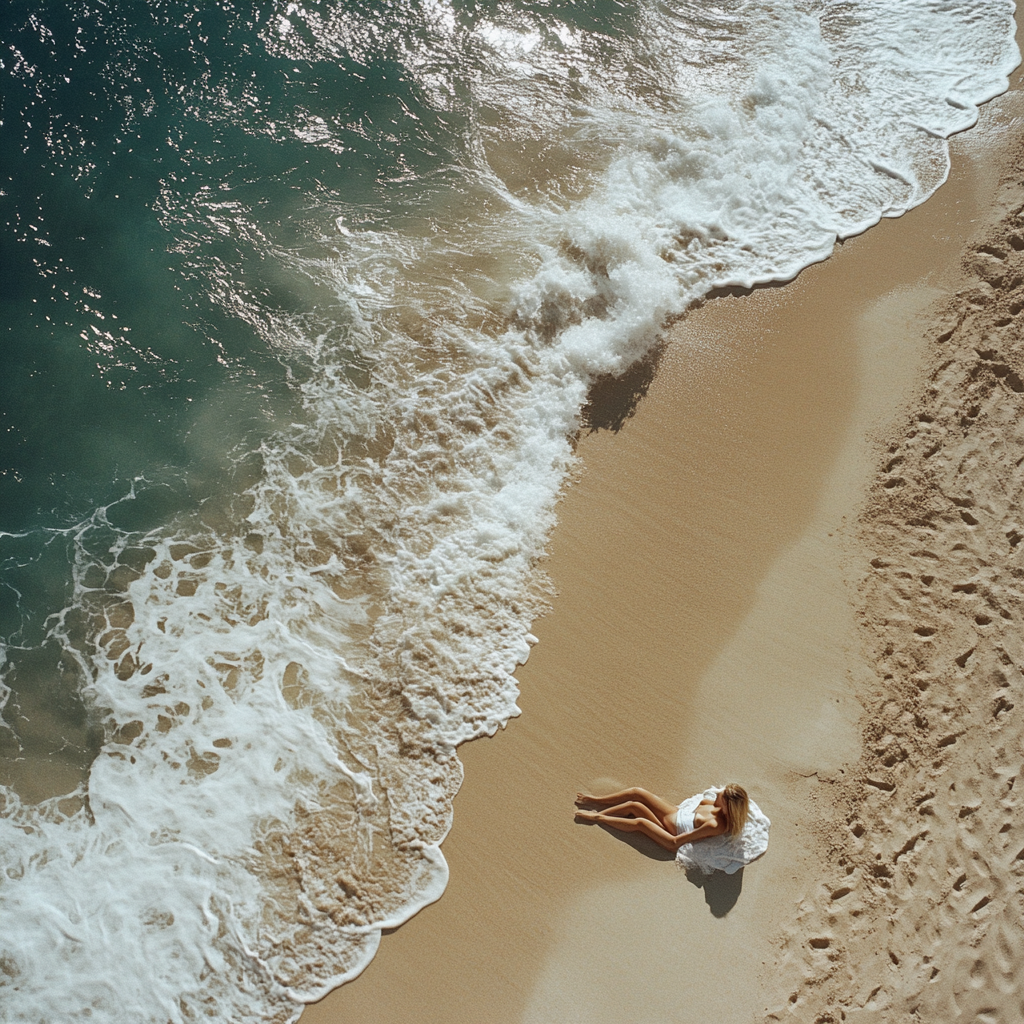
column 705, row 831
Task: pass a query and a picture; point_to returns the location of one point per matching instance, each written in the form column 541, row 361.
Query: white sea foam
column 284, row 694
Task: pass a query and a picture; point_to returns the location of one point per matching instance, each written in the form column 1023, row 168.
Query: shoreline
column 708, row 557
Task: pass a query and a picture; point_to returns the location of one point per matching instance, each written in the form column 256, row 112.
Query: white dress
column 721, row 853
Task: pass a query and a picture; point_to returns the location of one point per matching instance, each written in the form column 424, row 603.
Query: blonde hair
column 737, row 804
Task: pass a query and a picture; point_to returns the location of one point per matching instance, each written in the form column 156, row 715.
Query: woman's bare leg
column 633, row 809
column 645, row 825
column 660, row 807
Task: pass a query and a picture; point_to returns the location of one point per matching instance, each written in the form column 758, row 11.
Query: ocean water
column 301, row 303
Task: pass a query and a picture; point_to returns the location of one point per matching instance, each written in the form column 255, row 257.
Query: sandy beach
column 792, row 559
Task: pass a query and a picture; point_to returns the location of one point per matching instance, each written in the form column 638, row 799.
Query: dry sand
column 740, row 598
column 918, row 909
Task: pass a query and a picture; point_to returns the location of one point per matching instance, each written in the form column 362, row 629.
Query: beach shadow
column 613, row 400
column 721, row 891
column 737, row 291
column 641, row 843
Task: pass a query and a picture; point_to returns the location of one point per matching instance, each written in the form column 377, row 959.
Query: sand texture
column 779, row 546
column 919, row 912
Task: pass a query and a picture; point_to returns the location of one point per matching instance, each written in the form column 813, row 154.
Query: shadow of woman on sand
column 721, row 891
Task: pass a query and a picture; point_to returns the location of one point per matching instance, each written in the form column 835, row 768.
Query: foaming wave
column 284, row 685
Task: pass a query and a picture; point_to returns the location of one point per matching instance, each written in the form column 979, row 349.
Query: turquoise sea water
column 158, row 161
column 299, row 304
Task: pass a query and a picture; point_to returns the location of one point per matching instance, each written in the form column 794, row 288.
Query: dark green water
column 163, row 165
column 167, row 168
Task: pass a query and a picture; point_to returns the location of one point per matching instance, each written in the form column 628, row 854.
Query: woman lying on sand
column 636, row 810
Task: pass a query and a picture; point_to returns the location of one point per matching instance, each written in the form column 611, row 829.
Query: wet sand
column 709, row 626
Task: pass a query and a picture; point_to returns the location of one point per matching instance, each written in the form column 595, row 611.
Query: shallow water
column 302, row 303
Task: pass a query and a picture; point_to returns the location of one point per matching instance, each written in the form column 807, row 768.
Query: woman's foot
column 588, row 815
column 586, row 798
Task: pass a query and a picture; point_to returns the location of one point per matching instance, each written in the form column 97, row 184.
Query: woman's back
column 707, row 812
